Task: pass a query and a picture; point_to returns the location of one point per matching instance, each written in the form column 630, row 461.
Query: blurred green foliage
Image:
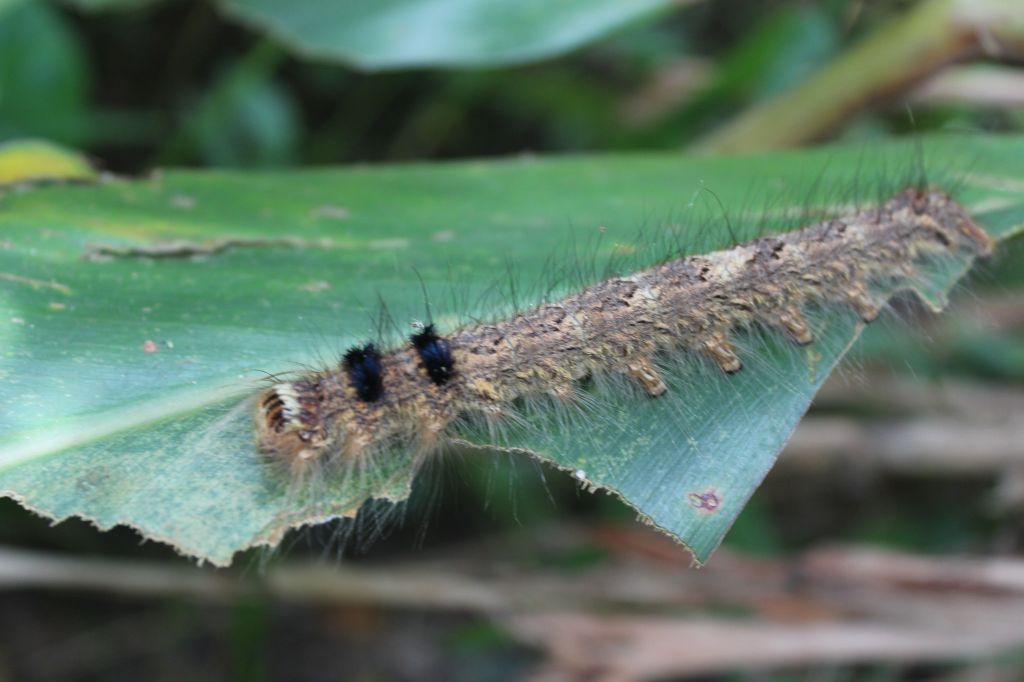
column 175, row 82
column 387, row 34
column 44, row 76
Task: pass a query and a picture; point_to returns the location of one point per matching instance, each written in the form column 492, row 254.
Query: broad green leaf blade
column 390, row 34
column 7, row 5
column 128, row 360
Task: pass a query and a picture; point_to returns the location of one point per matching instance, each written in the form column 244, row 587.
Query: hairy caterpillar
column 414, row 397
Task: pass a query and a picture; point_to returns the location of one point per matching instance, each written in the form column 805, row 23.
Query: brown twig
column 920, row 445
column 614, row 648
column 979, row 86
column 632, row 617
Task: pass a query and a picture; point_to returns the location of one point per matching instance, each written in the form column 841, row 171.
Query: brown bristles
column 623, row 326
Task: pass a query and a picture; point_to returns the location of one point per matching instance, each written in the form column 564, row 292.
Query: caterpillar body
column 415, row 396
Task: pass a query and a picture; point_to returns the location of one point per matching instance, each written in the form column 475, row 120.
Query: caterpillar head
column 332, row 413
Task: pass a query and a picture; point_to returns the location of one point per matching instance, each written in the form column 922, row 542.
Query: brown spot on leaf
column 708, row 501
column 183, row 248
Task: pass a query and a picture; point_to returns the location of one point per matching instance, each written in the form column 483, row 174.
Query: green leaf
column 125, row 379
column 246, row 119
column 390, row 34
column 44, row 76
column 25, row 161
column 8, row 5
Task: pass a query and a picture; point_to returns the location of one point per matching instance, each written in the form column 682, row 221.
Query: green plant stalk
column 935, row 34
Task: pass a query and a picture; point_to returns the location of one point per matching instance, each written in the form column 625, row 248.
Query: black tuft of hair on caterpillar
column 365, row 372
column 435, row 355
